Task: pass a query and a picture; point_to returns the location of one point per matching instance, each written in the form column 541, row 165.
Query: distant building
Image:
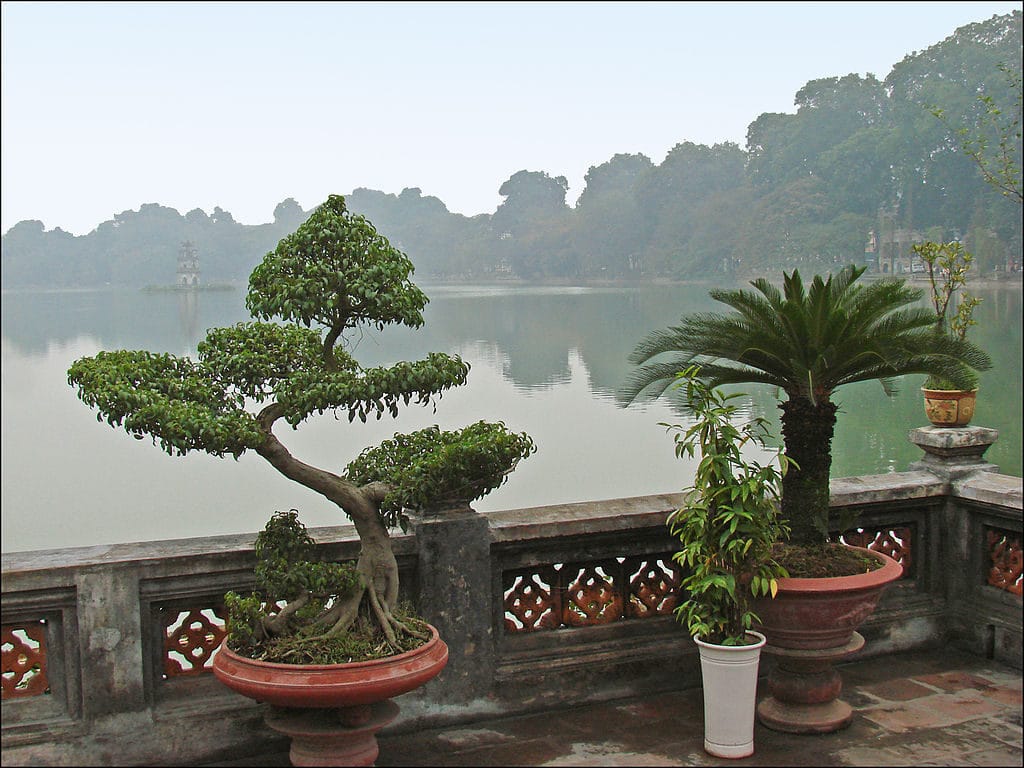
column 892, row 253
column 188, row 265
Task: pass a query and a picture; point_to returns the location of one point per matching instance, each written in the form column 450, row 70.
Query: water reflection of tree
column 532, row 333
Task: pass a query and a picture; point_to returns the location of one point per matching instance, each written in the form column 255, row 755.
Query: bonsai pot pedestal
column 804, row 689
column 332, row 711
column 323, row 737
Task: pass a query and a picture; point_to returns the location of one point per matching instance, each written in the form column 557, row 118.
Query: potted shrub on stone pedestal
column 947, row 265
column 333, row 277
column 726, row 528
column 808, row 341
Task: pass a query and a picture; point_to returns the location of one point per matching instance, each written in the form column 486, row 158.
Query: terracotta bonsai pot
column 331, row 685
column 949, row 407
column 303, row 697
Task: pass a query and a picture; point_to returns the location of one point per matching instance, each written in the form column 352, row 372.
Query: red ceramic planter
column 823, row 613
column 332, row 712
column 331, row 685
column 810, row 625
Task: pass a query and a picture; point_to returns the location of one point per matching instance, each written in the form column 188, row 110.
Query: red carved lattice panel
column 894, row 541
column 592, row 595
column 654, row 586
column 532, row 599
column 24, row 659
column 191, row 639
column 1007, row 561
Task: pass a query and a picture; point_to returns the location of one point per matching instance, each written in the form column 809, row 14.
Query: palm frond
column 806, row 339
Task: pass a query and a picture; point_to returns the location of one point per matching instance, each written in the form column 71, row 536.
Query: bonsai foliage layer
column 808, row 341
column 333, row 275
column 729, row 520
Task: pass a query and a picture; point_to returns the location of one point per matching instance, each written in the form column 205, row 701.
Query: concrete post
column 454, row 594
column 111, row 642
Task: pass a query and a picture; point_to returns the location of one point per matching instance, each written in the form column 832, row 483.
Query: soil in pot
column 822, row 561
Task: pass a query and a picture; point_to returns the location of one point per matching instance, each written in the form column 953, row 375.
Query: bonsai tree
column 947, row 265
column 334, row 274
column 729, row 520
column 808, row 342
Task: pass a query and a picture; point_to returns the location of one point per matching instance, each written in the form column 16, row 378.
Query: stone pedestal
column 322, row 737
column 953, row 452
column 805, row 690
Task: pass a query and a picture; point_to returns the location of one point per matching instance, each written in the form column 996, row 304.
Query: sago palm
column 808, row 342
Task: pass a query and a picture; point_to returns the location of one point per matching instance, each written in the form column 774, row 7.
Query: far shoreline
column 917, row 280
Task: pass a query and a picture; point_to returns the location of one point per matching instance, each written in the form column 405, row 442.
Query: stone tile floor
column 925, row 708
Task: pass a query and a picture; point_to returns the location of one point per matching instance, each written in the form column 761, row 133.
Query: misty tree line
column 859, row 155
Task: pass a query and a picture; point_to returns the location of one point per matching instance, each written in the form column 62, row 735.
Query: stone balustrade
column 106, row 650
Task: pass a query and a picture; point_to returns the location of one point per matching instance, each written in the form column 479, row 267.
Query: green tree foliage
column 530, row 227
column 609, row 231
column 678, row 195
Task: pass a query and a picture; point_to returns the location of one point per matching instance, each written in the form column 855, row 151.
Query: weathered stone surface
column 990, row 488
column 454, row 576
column 890, row 487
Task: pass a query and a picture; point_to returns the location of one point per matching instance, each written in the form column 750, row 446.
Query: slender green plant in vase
column 947, row 265
column 726, row 528
column 729, row 520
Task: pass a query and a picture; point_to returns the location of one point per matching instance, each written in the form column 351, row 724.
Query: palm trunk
column 807, row 430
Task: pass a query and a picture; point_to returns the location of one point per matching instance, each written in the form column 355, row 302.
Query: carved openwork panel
column 1007, row 559
column 24, row 659
column 590, row 593
column 593, row 594
column 894, row 541
column 532, row 599
column 654, row 586
column 191, row 638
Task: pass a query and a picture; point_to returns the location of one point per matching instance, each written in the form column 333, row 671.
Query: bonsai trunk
column 376, row 565
column 807, row 430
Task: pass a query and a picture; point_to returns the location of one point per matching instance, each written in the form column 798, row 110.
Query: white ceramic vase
column 730, row 696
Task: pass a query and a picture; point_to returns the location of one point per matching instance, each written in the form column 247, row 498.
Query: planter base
column 320, row 737
column 809, row 718
column 805, row 690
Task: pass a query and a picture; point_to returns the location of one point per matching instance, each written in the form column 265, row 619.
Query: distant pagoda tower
column 188, row 265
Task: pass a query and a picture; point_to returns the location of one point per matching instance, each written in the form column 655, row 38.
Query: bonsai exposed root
column 278, row 623
column 389, row 622
column 381, row 615
column 340, row 616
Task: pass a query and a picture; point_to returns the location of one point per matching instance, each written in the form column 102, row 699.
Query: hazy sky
column 108, row 106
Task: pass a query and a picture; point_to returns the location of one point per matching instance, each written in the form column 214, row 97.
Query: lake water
column 544, row 360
